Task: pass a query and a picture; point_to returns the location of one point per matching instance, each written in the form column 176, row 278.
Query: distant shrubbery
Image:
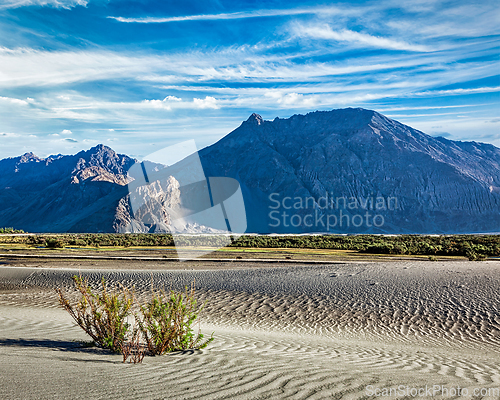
column 10, row 230
column 474, row 247
column 54, row 243
column 101, row 240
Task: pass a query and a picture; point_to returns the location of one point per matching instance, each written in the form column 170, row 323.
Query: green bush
column 452, row 245
column 165, row 322
column 472, row 255
column 103, row 316
column 54, row 243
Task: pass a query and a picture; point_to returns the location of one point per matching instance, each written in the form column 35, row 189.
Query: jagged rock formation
column 156, row 204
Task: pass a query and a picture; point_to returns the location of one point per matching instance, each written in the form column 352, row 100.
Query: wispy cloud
column 458, row 91
column 236, row 15
column 207, row 102
column 170, row 102
column 163, row 104
column 293, row 99
column 9, row 134
column 16, row 101
column 29, row 67
column 327, row 33
column 66, row 4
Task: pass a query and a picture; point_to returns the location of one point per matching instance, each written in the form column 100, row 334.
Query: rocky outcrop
column 149, row 208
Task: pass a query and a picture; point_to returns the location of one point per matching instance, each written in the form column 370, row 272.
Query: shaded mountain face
column 76, row 193
column 342, row 171
column 357, row 171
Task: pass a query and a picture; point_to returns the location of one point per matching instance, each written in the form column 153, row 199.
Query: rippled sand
column 321, row 331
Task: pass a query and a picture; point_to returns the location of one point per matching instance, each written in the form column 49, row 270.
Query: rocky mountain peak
column 254, row 119
column 440, row 185
column 101, row 149
column 103, row 164
column 29, row 157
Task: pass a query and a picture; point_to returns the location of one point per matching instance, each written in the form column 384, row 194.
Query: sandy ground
column 332, row 331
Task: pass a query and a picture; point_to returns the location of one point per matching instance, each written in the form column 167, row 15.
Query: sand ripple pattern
column 431, row 303
column 42, row 364
column 311, row 332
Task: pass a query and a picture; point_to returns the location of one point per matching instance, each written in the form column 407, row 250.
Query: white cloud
column 327, row 33
column 458, row 91
column 172, row 98
column 66, row 4
column 207, row 102
column 157, row 104
column 170, row 102
column 24, row 67
column 395, row 109
column 66, row 132
column 15, row 101
column 9, row 134
column 163, row 104
column 293, row 99
column 237, row 15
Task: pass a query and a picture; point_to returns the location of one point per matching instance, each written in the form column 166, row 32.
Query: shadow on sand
column 61, row 345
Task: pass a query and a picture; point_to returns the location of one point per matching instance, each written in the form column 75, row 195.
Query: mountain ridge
column 441, row 186
column 370, row 154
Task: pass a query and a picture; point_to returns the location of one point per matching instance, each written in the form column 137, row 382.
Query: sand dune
column 322, row 331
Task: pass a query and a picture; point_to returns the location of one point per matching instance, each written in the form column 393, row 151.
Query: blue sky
column 141, row 75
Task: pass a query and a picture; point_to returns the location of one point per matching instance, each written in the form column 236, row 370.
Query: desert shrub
column 102, row 315
column 162, row 325
column 380, row 248
column 165, row 322
column 75, row 241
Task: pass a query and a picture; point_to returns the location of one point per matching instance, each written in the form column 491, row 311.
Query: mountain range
column 340, row 171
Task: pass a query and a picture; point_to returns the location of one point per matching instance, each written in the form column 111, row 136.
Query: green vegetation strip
column 474, row 247
column 10, row 230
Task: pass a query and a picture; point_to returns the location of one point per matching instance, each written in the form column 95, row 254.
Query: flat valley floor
column 345, row 330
